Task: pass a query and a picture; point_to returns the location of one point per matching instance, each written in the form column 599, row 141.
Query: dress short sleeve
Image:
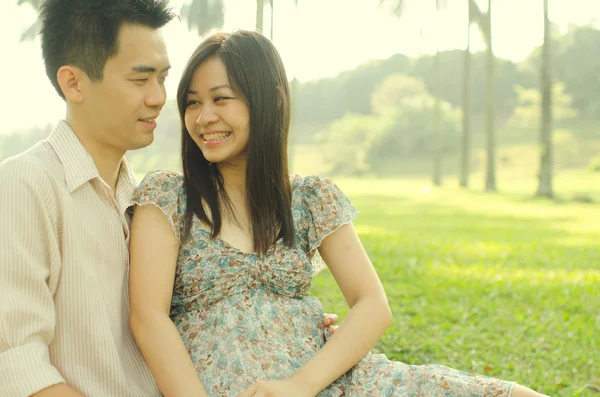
column 328, row 209
column 163, row 189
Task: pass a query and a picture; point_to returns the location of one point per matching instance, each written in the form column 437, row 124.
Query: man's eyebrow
column 148, row 69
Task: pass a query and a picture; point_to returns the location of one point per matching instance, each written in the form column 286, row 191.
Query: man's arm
column 29, row 256
column 60, row 390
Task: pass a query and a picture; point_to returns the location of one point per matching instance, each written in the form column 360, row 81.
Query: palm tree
column 475, row 15
column 32, row 31
column 272, row 17
column 490, row 171
column 204, row 15
column 437, row 115
column 208, row 14
column 260, row 11
column 484, row 22
column 293, row 104
column 398, row 5
column 465, row 155
column 545, row 175
column 201, row 15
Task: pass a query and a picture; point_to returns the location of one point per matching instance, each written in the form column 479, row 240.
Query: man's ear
column 70, row 79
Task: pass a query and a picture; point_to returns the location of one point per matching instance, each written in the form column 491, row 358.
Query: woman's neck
column 234, row 180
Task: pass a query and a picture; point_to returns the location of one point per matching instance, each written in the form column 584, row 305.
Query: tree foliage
column 401, row 125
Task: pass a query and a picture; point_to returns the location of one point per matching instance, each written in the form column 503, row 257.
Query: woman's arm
column 367, row 320
column 153, row 256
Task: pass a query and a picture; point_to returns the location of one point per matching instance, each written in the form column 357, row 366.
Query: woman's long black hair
column 257, row 75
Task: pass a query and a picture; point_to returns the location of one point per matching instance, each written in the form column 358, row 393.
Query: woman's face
column 216, row 118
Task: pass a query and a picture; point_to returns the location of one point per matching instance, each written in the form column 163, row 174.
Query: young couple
column 204, row 291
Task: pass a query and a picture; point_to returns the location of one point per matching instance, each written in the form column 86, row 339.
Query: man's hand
column 330, row 322
column 274, row 388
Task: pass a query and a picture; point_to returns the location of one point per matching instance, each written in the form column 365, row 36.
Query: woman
column 222, row 256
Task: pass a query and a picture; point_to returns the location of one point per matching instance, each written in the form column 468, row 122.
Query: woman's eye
column 191, row 102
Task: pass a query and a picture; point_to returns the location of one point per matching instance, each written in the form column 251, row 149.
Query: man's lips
column 150, row 119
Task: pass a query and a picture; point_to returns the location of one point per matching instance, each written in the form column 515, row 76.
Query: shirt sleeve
column 163, row 189
column 328, row 209
column 29, row 259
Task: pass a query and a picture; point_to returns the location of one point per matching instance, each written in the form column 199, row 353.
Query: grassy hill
column 499, row 284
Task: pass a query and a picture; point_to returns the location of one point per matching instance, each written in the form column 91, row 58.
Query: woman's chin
column 213, row 159
column 211, row 156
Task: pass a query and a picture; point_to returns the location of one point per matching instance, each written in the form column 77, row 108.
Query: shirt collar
column 79, row 165
column 128, row 181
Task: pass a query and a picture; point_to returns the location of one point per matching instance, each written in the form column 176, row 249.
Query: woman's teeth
column 216, row 137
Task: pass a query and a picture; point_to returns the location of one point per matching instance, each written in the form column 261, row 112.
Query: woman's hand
column 275, row 388
column 330, row 322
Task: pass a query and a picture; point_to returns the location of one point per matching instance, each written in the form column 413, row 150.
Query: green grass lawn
column 499, row 284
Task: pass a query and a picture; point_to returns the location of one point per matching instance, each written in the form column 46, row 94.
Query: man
column 64, row 234
column 64, row 308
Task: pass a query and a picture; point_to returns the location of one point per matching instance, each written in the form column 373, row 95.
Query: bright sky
column 319, row 39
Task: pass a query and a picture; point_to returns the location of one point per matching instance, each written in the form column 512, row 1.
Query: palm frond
column 34, row 3
column 398, row 5
column 204, row 15
column 31, row 32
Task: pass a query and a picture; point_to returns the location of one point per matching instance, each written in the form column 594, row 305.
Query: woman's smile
column 214, row 138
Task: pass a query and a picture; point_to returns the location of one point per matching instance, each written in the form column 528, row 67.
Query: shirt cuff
column 26, row 370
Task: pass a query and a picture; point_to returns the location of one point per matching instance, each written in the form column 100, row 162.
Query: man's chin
column 143, row 142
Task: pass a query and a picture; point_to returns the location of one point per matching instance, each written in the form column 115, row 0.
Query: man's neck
column 107, row 159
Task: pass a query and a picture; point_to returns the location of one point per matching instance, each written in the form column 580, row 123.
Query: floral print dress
column 245, row 317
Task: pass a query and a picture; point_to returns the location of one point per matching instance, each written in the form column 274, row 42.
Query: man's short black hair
column 84, row 33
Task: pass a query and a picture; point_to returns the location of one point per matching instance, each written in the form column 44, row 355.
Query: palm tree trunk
column 490, row 177
column 465, row 161
column 272, row 17
column 260, row 9
column 293, row 124
column 437, row 116
column 437, row 128
column 545, row 175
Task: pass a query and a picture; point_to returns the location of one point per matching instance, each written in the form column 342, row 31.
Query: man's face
column 120, row 110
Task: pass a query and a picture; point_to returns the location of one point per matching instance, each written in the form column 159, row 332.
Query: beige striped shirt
column 64, row 304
